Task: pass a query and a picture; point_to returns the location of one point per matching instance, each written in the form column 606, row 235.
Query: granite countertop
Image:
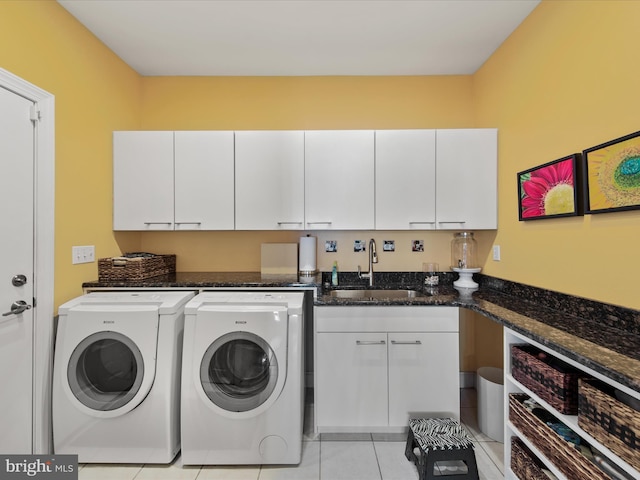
column 197, row 280
column 603, row 337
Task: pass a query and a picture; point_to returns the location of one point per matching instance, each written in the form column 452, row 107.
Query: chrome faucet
column 373, row 258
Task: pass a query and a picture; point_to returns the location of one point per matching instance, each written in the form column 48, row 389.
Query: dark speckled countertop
column 603, row 337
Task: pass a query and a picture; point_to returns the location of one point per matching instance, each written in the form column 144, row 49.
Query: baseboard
column 467, row 379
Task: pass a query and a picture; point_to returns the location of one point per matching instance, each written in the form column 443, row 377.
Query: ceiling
column 301, row 37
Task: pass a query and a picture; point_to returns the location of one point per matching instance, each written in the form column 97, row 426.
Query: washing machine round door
column 239, row 371
column 105, row 371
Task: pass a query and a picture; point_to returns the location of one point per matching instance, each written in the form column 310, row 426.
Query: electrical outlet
column 496, row 253
column 83, row 254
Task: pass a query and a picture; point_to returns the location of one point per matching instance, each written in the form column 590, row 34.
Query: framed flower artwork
column 612, row 175
column 550, row 190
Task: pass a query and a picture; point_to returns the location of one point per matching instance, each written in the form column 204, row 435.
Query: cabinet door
column 269, row 180
column 405, row 179
column 466, row 179
column 423, row 376
column 339, row 180
column 204, row 190
column 351, row 379
column 142, row 180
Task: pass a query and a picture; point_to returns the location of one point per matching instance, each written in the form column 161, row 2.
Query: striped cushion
column 439, row 434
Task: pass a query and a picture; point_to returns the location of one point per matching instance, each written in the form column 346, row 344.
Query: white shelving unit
column 513, row 386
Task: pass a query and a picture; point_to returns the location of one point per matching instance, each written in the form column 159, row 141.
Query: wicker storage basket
column 551, row 379
column 524, row 464
column 132, row 267
column 611, row 422
column 560, row 452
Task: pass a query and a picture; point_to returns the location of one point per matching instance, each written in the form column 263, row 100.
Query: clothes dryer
column 116, row 377
column 242, row 379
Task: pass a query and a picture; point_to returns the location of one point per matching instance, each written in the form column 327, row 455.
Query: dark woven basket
column 524, row 464
column 560, row 452
column 551, row 379
column 611, row 422
column 135, row 268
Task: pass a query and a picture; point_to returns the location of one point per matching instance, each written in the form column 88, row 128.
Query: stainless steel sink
column 375, row 294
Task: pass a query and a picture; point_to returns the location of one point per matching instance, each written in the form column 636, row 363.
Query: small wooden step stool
column 439, row 440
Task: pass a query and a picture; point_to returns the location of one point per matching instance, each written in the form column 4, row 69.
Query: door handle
column 17, row 308
column 19, row 280
column 398, row 342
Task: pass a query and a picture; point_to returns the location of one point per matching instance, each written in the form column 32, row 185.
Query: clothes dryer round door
column 105, row 371
column 110, row 357
column 239, row 371
column 243, row 364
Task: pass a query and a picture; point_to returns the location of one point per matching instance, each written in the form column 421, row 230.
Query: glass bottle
column 463, row 251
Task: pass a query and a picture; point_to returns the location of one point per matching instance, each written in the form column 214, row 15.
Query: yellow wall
column 95, row 93
column 566, row 80
column 305, row 103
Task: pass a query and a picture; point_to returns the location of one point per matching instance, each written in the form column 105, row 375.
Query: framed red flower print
column 550, row 190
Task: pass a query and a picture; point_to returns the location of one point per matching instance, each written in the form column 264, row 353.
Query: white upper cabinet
column 143, row 180
column 466, row 179
column 339, row 180
column 204, row 188
column 269, row 180
column 173, row 180
column 405, row 178
column 305, row 180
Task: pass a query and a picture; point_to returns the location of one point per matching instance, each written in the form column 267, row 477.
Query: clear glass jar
column 464, row 251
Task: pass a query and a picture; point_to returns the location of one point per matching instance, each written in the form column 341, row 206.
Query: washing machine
column 116, row 377
column 242, row 379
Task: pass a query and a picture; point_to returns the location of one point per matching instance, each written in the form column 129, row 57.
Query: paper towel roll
column 307, row 255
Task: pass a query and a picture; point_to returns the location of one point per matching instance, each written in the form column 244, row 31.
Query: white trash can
column 490, row 388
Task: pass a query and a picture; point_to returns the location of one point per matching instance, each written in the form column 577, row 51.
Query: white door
column 203, row 180
column 339, row 179
column 405, row 179
column 467, row 179
column 351, row 380
column 143, row 180
column 270, row 180
column 16, row 275
column 423, row 376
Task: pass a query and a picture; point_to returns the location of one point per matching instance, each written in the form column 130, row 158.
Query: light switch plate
column 83, row 254
column 496, row 253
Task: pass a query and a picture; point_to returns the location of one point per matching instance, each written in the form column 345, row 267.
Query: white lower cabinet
column 377, row 366
column 571, row 421
column 352, row 379
column 421, row 375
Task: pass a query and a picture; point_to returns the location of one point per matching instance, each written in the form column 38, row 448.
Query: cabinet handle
column 415, row 342
column 370, row 342
column 189, row 223
column 158, row 223
column 318, row 223
column 289, row 223
column 459, row 221
column 419, row 223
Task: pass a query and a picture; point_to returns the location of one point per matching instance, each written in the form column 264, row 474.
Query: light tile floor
column 327, row 457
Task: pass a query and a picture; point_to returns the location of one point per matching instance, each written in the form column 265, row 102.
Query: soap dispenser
column 334, row 274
